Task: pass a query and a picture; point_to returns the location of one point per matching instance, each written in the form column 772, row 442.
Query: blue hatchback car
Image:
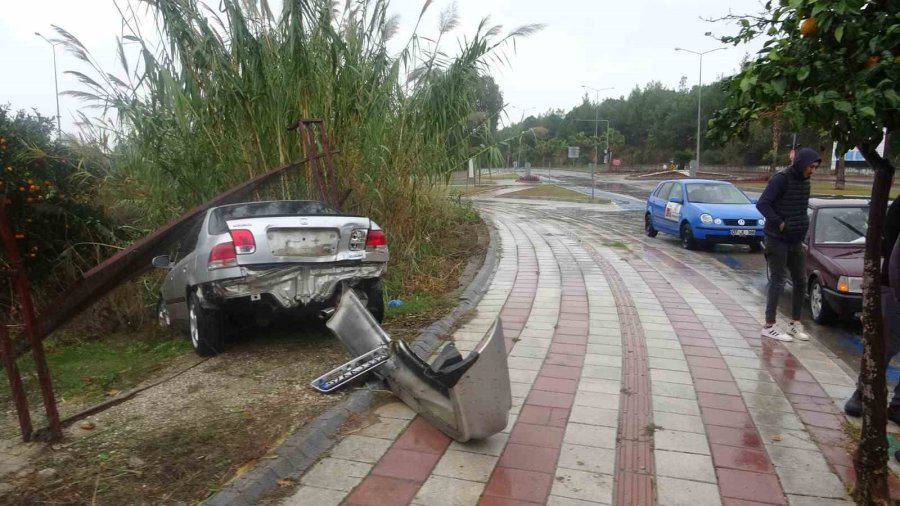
column 704, row 212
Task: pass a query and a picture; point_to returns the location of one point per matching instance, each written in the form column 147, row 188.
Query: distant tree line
column 652, row 125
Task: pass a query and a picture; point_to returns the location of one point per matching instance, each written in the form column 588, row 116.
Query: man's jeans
column 781, row 258
column 890, row 314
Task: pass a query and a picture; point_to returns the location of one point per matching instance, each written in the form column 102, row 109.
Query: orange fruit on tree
column 808, row 27
column 872, row 60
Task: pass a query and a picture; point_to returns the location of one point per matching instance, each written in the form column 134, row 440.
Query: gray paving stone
column 811, row 484
column 493, row 445
column 673, row 421
column 671, row 344
column 361, row 448
column 583, row 485
column 758, row 375
column 673, row 405
column 590, row 435
column 668, row 364
column 386, row 428
column 665, row 353
column 603, row 386
column 603, row 360
column 601, row 372
column 684, row 465
column 673, row 390
column 594, row 416
column 597, row 400
column 788, row 421
column 683, row 378
column 587, row 458
column 768, row 402
column 801, row 460
column 396, row 410
column 678, row 441
column 465, row 466
column 802, row 500
column 314, row 496
column 444, row 491
column 336, row 474
column 555, row 500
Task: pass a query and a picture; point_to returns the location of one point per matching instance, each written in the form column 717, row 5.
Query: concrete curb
column 303, row 448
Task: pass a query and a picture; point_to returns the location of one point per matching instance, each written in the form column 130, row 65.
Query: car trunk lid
column 299, row 239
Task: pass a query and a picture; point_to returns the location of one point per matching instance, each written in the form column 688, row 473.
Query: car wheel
column 207, row 333
column 374, row 299
column 687, row 237
column 756, row 247
column 162, row 313
column 818, row 306
column 648, row 226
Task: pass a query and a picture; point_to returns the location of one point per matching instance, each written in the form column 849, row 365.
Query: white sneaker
column 775, row 333
column 795, row 330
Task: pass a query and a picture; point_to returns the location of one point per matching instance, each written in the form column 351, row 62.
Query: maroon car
column 834, row 257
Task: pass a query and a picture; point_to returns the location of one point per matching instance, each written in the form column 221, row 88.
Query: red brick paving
column 541, row 423
column 417, row 451
column 635, row 468
column 742, row 465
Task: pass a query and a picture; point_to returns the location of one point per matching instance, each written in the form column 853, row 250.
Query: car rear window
column 715, row 193
column 842, row 225
column 221, row 215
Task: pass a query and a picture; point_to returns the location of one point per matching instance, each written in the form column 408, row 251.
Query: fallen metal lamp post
column 466, row 398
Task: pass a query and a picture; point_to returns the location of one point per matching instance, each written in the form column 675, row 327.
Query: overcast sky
column 602, row 44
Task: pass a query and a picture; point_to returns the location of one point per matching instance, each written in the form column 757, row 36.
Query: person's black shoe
column 854, row 405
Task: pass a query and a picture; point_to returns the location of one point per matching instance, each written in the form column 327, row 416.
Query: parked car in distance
column 704, row 212
column 835, row 246
column 248, row 262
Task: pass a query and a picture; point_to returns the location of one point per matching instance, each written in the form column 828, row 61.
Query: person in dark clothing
column 890, row 307
column 784, row 205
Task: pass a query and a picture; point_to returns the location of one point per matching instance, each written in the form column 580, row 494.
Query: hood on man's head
column 804, row 157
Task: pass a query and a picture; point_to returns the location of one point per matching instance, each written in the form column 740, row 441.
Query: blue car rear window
column 713, row 193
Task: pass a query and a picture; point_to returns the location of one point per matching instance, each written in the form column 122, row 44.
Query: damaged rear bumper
column 295, row 285
column 465, row 397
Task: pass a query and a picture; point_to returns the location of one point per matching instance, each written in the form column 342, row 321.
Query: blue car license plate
column 741, row 233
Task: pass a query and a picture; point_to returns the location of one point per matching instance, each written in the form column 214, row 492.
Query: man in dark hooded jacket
column 784, row 205
column 890, row 307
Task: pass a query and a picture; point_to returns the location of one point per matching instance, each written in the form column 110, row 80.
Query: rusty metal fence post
column 20, row 399
column 23, row 289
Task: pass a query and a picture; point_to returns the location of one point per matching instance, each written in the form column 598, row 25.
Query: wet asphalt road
column 842, row 338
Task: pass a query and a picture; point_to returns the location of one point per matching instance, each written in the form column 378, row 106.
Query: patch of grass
column 616, row 244
column 417, row 311
column 827, row 188
column 470, row 190
column 88, row 370
column 553, row 192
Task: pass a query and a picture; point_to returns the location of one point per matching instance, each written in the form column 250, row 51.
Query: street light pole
column 597, row 131
column 519, row 155
column 55, row 82
column 699, row 99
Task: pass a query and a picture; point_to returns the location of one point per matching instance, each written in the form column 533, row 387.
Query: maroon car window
column 841, row 225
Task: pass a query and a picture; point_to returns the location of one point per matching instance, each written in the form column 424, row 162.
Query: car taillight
column 244, row 243
column 376, row 239
column 222, row 255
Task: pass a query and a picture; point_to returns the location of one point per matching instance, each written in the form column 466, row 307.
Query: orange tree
column 59, row 228
column 833, row 65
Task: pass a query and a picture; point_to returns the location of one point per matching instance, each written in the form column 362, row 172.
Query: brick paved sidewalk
column 638, row 378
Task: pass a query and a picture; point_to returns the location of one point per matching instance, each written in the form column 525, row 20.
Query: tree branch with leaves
column 833, row 65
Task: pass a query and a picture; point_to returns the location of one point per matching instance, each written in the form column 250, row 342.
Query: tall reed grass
column 203, row 101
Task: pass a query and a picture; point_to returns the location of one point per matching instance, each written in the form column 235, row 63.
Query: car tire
column 205, row 328
column 819, row 309
column 375, row 302
column 648, row 226
column 162, row 313
column 756, row 247
column 687, row 237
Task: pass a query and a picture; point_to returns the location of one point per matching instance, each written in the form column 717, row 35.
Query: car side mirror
column 677, row 200
column 162, row 262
